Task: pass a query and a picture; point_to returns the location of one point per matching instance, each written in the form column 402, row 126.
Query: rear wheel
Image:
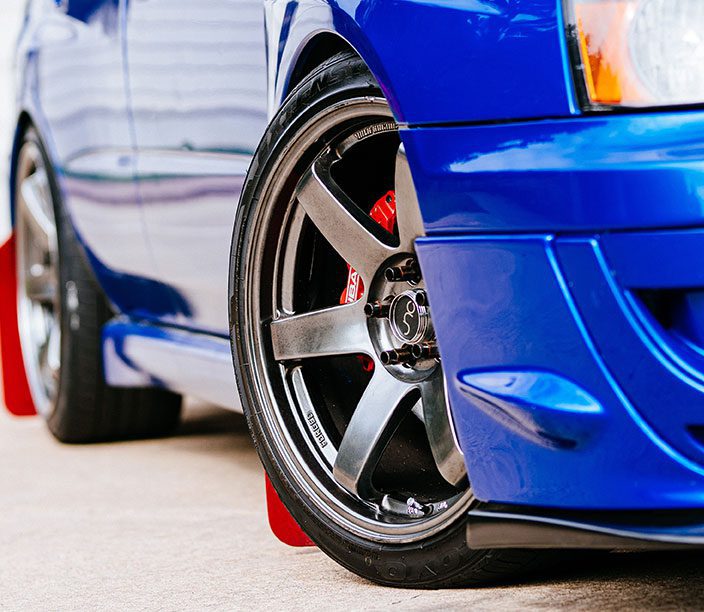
column 61, row 311
column 336, row 358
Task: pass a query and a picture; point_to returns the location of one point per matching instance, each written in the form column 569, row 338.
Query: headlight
column 638, row 52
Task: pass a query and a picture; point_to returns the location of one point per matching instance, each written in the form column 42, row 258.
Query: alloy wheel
column 352, row 389
column 38, row 278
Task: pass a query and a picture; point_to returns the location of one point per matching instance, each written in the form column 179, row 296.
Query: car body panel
column 588, row 173
column 482, row 60
column 139, row 354
column 197, row 89
column 74, row 92
column 524, row 309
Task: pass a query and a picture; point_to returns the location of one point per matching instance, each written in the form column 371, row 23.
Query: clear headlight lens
column 640, row 52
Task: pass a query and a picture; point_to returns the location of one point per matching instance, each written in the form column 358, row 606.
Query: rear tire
column 71, row 394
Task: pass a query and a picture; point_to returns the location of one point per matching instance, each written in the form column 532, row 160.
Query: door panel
column 197, row 81
column 75, row 81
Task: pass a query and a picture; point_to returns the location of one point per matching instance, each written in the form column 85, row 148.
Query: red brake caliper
column 281, row 522
column 384, row 213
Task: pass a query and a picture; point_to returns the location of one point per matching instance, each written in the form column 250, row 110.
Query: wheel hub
column 400, row 325
column 409, row 317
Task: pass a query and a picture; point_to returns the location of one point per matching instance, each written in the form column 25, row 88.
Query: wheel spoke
column 41, row 284
column 378, row 414
column 345, row 226
column 340, row 330
column 436, row 416
column 53, row 351
column 408, row 217
column 49, row 356
column 35, row 191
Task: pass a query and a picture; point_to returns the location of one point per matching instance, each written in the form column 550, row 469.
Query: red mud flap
column 281, row 522
column 18, row 399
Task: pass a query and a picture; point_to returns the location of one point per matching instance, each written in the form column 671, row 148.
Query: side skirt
column 140, row 354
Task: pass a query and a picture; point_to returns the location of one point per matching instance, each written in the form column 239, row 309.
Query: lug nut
column 425, row 350
column 376, row 310
column 396, row 356
column 408, row 272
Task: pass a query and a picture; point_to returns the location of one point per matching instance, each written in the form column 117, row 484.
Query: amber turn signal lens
column 602, row 28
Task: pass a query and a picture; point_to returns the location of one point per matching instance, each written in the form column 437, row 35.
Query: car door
column 76, row 89
column 197, row 85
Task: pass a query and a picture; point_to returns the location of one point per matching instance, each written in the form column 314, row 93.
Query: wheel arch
column 318, row 49
column 300, row 39
column 435, row 61
column 23, row 124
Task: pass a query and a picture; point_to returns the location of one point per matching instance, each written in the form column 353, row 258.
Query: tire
column 420, row 554
column 77, row 404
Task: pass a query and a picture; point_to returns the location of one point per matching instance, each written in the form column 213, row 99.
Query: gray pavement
column 180, row 523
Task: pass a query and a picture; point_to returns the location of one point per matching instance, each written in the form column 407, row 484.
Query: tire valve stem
column 396, row 356
column 425, row 350
column 376, row 310
column 416, row 508
column 408, row 272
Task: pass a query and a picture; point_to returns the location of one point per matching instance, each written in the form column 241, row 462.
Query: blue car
column 447, row 256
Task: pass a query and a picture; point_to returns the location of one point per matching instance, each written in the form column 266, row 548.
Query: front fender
column 438, row 61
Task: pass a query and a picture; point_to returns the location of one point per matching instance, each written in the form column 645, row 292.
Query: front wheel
column 335, row 352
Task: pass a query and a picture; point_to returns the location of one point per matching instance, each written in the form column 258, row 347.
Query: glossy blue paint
column 656, row 260
column 144, row 355
column 516, row 308
column 483, row 60
column 196, row 80
column 72, row 87
column 541, row 406
column 662, row 377
column 605, row 172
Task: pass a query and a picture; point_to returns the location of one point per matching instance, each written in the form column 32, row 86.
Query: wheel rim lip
column 315, row 489
column 30, row 161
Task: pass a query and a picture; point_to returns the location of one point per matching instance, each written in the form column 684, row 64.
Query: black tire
column 86, row 409
column 443, row 559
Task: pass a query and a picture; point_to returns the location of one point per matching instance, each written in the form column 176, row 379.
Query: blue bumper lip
column 606, row 172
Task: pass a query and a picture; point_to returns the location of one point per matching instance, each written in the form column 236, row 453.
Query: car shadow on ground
column 623, row 580
column 202, row 419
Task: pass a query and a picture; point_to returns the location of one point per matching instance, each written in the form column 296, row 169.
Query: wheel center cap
column 409, row 317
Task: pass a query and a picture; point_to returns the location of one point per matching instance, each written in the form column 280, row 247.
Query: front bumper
column 544, row 240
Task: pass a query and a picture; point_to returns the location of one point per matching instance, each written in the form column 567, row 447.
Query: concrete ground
column 180, row 523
